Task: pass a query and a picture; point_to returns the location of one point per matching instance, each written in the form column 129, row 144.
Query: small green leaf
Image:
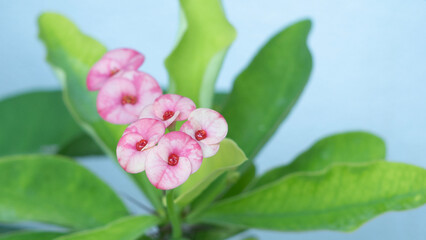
column 26, row 235
column 43, row 129
column 57, row 190
column 71, row 54
column 204, row 39
column 340, row 198
column 352, row 147
column 128, row 228
column 228, row 157
column 264, row 93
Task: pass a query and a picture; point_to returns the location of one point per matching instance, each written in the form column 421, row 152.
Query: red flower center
column 113, row 72
column 173, row 159
column 141, row 144
column 128, row 100
column 200, row 135
column 167, row 115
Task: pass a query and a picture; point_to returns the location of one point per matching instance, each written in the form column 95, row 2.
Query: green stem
column 172, row 127
column 173, row 217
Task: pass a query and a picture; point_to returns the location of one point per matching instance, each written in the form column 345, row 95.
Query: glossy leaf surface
column 56, row 190
column 340, row 198
column 38, row 122
column 128, row 228
column 265, row 92
column 228, row 157
column 352, row 147
column 195, row 62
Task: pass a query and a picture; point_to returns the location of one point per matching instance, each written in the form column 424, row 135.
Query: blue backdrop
column 369, row 74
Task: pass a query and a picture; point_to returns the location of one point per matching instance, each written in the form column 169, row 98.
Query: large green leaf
column 210, row 193
column 340, row 198
column 24, row 235
column 264, row 93
column 245, row 179
column 30, row 236
column 228, row 157
column 344, row 148
column 71, row 54
column 6, row 229
column 128, row 228
column 57, row 190
column 82, row 145
column 219, row 101
column 38, row 122
column 204, row 39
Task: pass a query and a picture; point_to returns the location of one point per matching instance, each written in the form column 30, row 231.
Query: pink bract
column 169, row 108
column 208, row 127
column 138, row 140
column 122, row 98
column 162, row 168
column 112, row 63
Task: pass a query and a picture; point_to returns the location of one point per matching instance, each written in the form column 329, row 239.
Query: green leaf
column 349, row 147
column 43, row 129
column 227, row 158
column 210, row 193
column 208, row 232
column 57, row 190
column 340, row 198
column 219, row 101
column 243, row 181
column 6, row 228
column 82, row 145
column 205, row 37
column 21, row 235
column 128, row 228
column 71, row 54
column 264, row 93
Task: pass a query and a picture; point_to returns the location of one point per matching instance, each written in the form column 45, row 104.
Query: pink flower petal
column 147, row 90
column 148, row 112
column 129, row 59
column 101, row 72
column 209, row 150
column 130, row 159
column 164, row 176
column 112, row 63
column 174, row 103
column 143, row 89
column 208, row 120
column 182, row 145
column 149, row 129
column 109, row 101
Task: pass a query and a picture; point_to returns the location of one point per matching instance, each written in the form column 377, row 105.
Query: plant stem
column 174, row 219
column 172, row 127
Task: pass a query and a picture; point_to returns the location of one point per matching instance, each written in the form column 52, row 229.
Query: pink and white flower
column 169, row 108
column 208, row 128
column 112, row 63
column 138, row 140
column 176, row 157
column 122, row 98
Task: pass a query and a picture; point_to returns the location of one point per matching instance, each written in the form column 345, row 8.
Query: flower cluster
column 123, row 90
column 130, row 96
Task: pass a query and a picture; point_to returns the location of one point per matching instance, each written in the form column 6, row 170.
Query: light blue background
column 369, row 74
